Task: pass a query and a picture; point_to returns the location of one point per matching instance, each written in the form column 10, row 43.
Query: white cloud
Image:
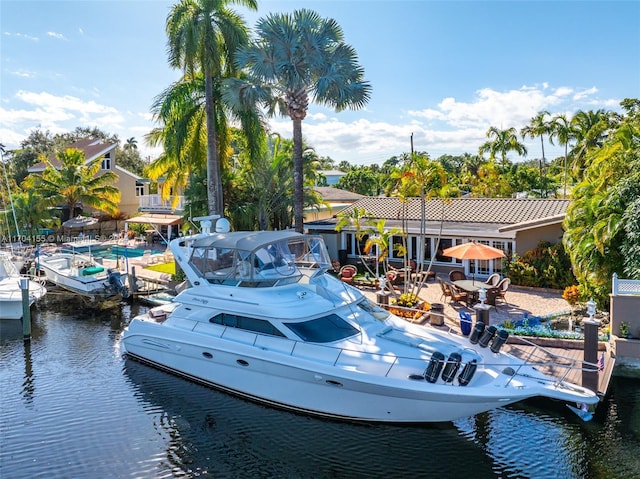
column 56, row 35
column 452, row 127
column 21, row 35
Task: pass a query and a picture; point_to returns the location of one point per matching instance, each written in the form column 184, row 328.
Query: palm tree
column 297, row 58
column 562, row 130
column 181, row 111
column 203, row 36
column 75, row 182
column 538, row 127
column 590, row 129
column 503, row 142
column 131, row 144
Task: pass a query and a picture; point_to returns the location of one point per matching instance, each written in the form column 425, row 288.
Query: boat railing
column 558, row 367
column 555, row 366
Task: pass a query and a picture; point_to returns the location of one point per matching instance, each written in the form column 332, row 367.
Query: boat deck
column 523, row 351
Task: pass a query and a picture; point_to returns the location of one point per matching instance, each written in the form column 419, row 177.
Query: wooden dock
column 560, row 353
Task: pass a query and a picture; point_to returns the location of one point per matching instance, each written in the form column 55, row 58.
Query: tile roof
column 498, row 211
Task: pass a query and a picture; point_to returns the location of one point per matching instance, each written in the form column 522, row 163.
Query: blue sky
column 444, row 71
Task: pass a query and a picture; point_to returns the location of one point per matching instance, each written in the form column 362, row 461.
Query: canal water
column 72, row 407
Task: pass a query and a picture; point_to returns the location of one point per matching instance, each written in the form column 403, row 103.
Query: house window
column 444, row 244
column 349, row 245
column 397, row 247
column 106, row 162
column 139, row 190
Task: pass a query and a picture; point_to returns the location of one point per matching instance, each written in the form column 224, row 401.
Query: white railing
column 156, row 203
column 624, row 286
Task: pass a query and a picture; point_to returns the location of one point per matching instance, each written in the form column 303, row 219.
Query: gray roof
column 331, row 194
column 473, row 216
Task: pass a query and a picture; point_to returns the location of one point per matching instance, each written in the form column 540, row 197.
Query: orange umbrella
column 473, row 250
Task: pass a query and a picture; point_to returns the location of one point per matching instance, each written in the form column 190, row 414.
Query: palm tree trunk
column 215, row 203
column 298, row 200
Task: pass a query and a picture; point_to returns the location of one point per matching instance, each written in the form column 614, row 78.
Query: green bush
column 546, row 266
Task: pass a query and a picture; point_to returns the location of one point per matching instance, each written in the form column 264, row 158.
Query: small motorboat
column 80, row 273
column 12, row 284
column 264, row 319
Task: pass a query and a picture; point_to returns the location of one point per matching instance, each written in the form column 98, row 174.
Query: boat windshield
column 271, row 263
column 323, row 330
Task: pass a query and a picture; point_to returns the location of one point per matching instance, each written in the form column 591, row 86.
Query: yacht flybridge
column 265, row 320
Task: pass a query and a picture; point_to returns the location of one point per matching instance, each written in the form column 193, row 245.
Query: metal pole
column 26, row 309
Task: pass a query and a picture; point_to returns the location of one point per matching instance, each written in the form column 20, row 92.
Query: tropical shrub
column 546, row 266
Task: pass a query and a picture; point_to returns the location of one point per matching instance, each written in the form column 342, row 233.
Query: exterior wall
column 529, row 239
column 129, row 202
column 315, row 214
column 624, row 308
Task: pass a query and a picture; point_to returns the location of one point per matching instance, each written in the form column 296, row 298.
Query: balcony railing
column 156, row 203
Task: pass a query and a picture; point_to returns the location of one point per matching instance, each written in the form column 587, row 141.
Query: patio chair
column 493, row 280
column 348, row 273
column 502, row 288
column 446, row 291
column 492, row 295
column 457, row 295
column 456, row 275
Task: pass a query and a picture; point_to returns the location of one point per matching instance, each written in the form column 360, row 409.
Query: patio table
column 471, row 287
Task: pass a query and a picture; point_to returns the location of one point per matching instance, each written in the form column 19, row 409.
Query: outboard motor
column 499, row 340
column 487, row 336
column 116, row 283
column 478, row 329
column 435, row 366
column 467, row 372
column 450, row 370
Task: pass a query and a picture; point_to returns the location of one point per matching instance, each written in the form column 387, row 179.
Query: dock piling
column 26, row 309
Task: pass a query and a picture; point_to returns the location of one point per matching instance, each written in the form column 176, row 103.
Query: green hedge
column 546, row 266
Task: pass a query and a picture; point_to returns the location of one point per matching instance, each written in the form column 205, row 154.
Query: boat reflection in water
column 207, row 431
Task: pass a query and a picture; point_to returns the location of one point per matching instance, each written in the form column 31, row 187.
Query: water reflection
column 71, row 406
column 207, row 431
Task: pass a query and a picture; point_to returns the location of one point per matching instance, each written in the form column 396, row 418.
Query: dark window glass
column 323, row 330
column 246, row 323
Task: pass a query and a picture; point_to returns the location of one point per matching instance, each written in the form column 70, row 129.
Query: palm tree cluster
column 294, row 59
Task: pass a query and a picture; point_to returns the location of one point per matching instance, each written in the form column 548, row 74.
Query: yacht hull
column 301, row 384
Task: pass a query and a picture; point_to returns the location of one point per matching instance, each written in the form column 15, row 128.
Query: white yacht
column 11, row 305
column 79, row 273
column 263, row 319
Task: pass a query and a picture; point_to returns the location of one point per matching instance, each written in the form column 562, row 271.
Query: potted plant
column 624, row 330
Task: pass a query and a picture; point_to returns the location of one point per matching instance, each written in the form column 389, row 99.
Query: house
column 332, row 176
column 130, row 185
column 335, row 200
column 510, row 224
column 135, row 196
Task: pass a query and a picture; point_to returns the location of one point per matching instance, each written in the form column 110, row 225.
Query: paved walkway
column 520, row 301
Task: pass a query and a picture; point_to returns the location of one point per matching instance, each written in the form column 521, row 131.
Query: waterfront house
column 136, row 199
column 511, row 224
column 130, row 185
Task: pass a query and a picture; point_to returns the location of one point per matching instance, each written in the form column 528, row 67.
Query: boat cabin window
column 246, row 323
column 323, row 330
